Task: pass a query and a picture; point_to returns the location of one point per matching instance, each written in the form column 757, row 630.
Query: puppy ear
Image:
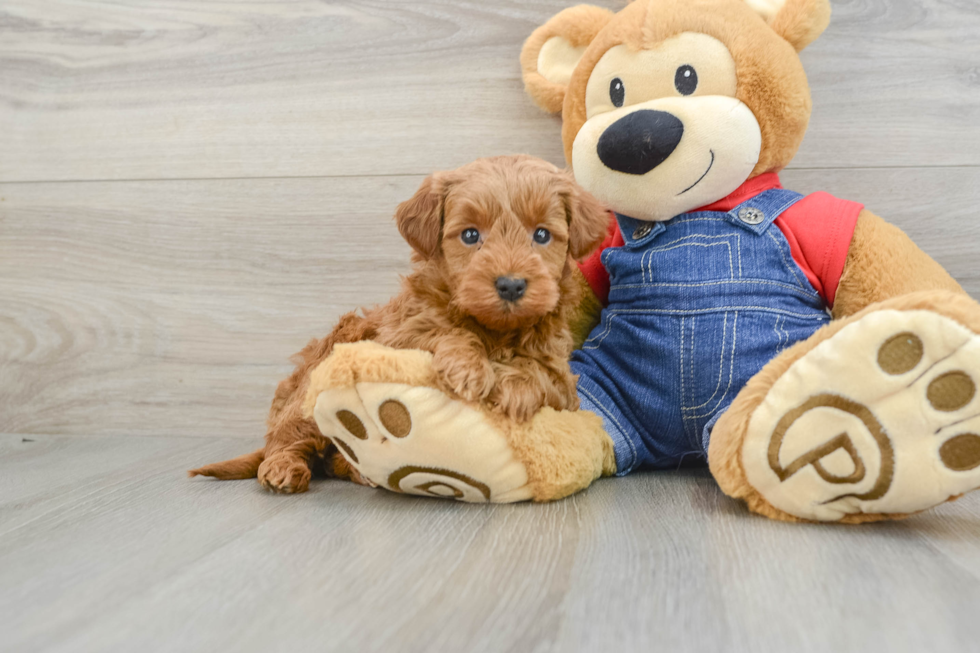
column 798, row 21
column 588, row 222
column 419, row 219
column 552, row 52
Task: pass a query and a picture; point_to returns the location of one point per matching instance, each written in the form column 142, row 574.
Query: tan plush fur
column 771, row 81
column 585, row 316
column 512, row 354
column 800, row 22
column 578, row 25
column 724, row 450
column 563, row 452
column 884, row 268
column 882, row 263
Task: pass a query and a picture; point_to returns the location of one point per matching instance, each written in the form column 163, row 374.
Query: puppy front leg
column 525, row 385
column 460, row 360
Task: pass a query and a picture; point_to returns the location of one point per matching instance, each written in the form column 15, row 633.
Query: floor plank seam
column 954, row 166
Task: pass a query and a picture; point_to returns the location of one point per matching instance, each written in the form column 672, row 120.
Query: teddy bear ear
column 798, row 21
column 552, row 52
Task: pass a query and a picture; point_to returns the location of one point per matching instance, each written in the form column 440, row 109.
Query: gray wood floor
column 191, row 189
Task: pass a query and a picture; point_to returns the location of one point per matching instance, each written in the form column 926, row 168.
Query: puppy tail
column 246, row 466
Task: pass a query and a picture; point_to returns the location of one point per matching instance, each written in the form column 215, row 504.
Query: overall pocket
column 709, row 376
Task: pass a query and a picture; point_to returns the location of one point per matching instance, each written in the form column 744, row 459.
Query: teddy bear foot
column 881, row 420
column 419, row 441
column 383, row 411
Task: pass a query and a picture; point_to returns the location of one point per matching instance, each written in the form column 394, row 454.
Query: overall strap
column 757, row 213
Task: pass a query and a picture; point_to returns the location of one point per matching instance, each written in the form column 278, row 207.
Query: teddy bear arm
column 585, row 313
column 882, row 263
column 384, row 410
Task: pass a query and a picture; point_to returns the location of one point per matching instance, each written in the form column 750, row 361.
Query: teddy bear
column 809, row 352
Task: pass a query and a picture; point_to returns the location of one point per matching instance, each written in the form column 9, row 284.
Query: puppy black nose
column 639, row 142
column 511, row 289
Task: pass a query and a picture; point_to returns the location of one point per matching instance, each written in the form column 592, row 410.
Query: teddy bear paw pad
column 416, row 440
column 881, row 418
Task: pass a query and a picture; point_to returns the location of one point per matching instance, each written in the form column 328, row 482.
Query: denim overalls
column 697, row 306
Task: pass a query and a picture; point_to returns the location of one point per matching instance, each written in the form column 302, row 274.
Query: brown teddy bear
column 820, row 362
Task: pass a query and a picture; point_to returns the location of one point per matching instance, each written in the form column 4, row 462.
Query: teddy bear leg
column 380, row 408
column 876, row 416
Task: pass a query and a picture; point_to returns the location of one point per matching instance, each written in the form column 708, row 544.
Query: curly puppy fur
column 512, row 354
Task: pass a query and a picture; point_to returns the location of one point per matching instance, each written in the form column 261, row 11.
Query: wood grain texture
column 171, row 307
column 91, row 89
column 191, row 189
column 120, row 552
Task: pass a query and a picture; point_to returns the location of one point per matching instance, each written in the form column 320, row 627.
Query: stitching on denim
column 731, row 370
column 726, row 220
column 795, row 197
column 779, row 335
column 738, row 244
column 728, row 245
column 782, row 255
column 721, row 366
column 595, row 341
column 670, row 245
column 685, row 423
column 604, row 256
column 612, row 418
column 691, row 358
column 769, row 197
column 683, row 385
column 703, row 311
column 765, row 282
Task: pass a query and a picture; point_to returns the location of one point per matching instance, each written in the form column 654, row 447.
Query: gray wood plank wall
column 189, row 191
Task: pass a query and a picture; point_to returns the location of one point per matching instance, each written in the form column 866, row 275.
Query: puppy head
column 669, row 105
column 502, row 233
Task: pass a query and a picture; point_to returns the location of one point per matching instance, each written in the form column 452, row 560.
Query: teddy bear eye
column 686, row 80
column 542, row 236
column 470, row 236
column 617, row 92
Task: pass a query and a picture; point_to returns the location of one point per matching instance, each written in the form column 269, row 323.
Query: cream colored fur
column 884, row 271
column 556, row 454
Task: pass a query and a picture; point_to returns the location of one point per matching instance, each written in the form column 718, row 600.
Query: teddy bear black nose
column 639, row 142
column 511, row 289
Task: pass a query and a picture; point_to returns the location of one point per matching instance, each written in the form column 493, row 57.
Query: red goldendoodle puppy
column 490, row 295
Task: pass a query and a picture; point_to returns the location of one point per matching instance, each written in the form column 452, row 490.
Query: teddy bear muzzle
column 640, row 141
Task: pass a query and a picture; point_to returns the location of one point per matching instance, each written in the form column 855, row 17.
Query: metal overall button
column 642, row 231
column 750, row 215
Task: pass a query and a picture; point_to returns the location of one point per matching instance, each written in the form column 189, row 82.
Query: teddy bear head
column 670, row 105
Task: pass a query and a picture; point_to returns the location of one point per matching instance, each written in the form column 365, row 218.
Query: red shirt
column 818, row 229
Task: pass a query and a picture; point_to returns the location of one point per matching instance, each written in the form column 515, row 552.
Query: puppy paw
column 471, row 378
column 284, row 473
column 518, row 401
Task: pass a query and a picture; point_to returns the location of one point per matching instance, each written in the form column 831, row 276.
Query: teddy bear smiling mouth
column 701, row 178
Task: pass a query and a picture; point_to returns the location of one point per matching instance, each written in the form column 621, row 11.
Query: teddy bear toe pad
column 882, row 418
column 416, row 440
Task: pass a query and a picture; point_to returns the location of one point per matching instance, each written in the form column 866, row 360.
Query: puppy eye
column 542, row 236
column 617, row 92
column 686, row 80
column 470, row 236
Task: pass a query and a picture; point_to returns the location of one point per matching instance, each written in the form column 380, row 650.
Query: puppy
column 490, row 295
